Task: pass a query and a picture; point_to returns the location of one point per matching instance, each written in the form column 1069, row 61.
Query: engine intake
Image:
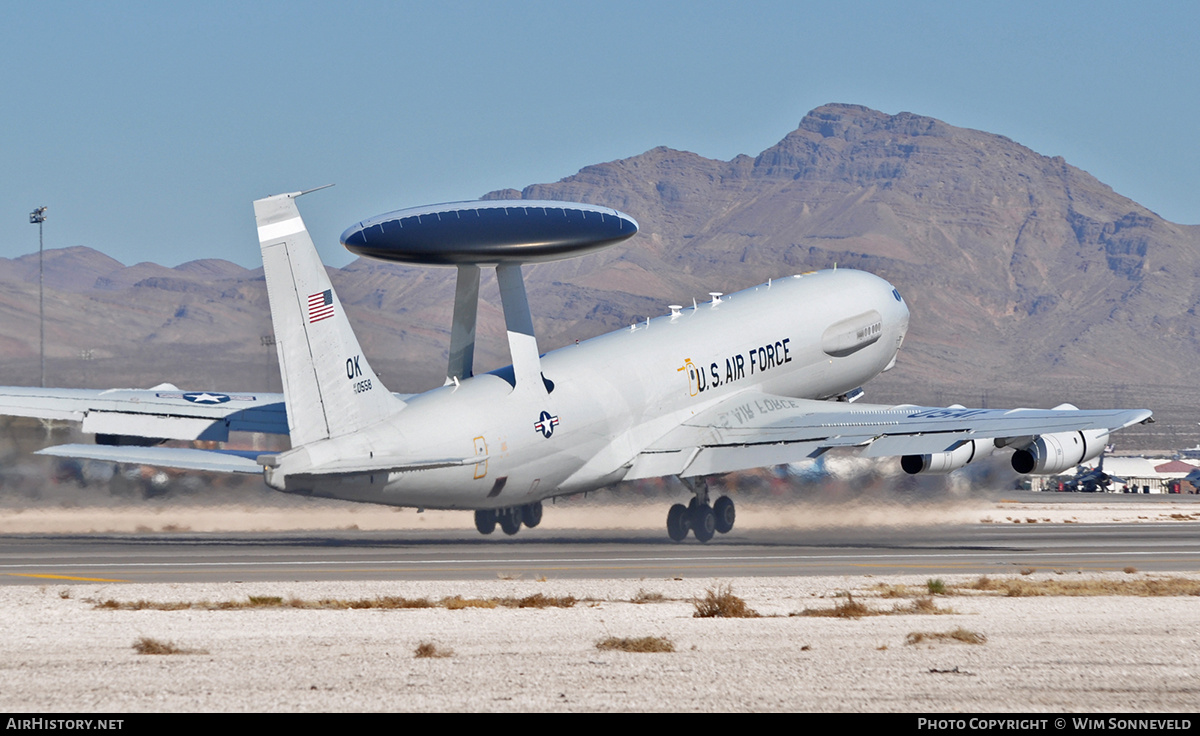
column 1053, row 453
column 944, row 462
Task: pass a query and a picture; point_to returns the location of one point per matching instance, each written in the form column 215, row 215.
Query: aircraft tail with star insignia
column 329, row 387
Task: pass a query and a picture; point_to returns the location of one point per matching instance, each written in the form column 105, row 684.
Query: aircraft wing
column 756, row 429
column 163, row 412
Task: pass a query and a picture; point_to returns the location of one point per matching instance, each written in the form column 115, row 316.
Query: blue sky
column 148, row 127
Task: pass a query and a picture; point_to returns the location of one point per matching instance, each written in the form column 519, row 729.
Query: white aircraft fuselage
column 811, row 336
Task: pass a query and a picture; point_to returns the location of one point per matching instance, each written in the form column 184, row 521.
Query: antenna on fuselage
column 505, row 234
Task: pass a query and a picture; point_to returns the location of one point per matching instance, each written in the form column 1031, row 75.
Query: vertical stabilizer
column 328, row 386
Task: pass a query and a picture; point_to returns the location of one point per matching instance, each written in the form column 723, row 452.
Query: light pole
column 37, row 217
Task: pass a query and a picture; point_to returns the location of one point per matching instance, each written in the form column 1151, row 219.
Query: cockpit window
column 896, row 293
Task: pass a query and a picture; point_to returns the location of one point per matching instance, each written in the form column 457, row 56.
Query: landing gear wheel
column 510, row 520
column 704, row 523
column 677, row 527
column 725, row 513
column 485, row 521
column 531, row 514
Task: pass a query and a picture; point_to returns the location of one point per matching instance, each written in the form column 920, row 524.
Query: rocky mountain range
column 1030, row 282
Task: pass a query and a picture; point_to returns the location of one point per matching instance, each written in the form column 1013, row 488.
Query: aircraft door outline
column 481, row 468
column 693, row 374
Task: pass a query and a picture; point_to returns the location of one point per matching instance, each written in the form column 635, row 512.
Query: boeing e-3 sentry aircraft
column 766, row 376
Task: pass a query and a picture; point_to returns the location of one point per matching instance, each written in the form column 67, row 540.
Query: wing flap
column 155, row 425
column 658, row 464
column 715, row 460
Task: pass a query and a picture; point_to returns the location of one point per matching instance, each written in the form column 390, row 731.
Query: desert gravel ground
column 59, row 652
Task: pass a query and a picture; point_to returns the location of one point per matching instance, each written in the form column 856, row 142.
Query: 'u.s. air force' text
column 736, row 367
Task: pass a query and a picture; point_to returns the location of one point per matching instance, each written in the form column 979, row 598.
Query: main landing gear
column 510, row 519
column 698, row 517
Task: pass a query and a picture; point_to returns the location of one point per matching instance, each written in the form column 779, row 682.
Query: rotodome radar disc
column 489, row 232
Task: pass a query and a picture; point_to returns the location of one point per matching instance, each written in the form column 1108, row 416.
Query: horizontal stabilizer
column 184, row 458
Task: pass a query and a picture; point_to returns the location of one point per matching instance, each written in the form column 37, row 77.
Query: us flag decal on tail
column 320, row 306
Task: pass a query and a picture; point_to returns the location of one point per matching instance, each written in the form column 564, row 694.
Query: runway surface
column 593, row 554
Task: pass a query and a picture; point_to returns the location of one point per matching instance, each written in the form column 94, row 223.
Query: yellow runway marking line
column 66, row 577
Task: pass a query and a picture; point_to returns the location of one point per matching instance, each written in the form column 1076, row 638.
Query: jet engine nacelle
column 945, row 462
column 1054, row 453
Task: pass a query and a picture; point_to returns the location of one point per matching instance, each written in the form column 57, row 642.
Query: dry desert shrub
column 888, row 590
column 639, row 644
column 851, row 608
column 429, row 650
column 924, row 606
column 959, row 634
column 143, row 605
column 269, row 601
column 1141, row 587
column 457, row 603
column 848, row 608
column 644, row 596
column 720, row 602
column 266, row 600
column 983, row 582
column 146, row 645
column 538, row 600
column 390, row 602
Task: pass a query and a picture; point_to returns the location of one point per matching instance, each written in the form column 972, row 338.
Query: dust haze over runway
column 837, row 514
column 798, row 542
